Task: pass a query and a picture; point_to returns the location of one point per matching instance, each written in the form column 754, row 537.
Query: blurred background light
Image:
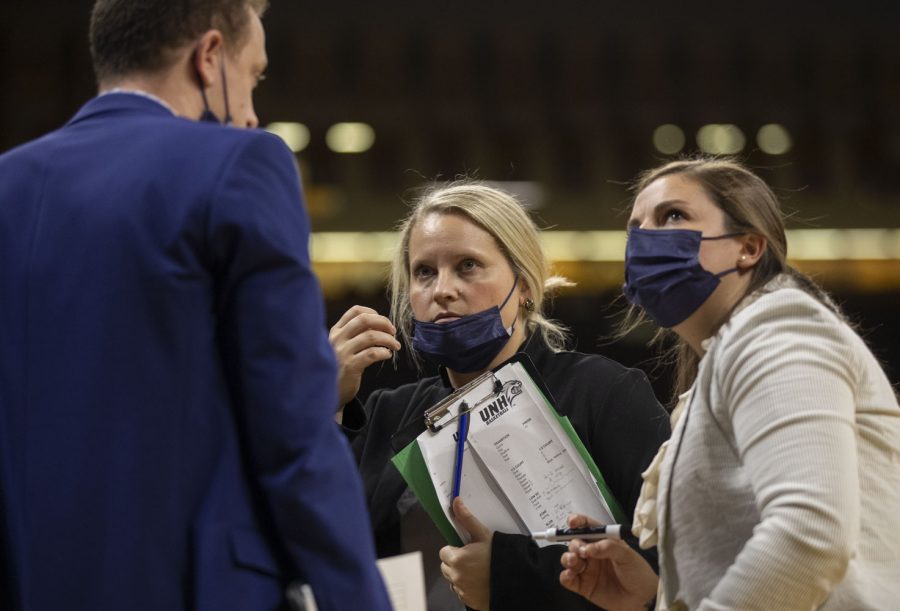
column 350, row 137
column 773, row 139
column 564, row 109
column 295, row 135
column 668, row 139
column 844, row 244
column 352, row 246
column 721, row 139
column 609, row 245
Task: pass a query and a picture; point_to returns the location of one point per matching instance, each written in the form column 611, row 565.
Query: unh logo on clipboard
column 499, row 399
column 503, row 400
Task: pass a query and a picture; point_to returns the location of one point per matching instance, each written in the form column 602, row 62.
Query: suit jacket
column 613, row 410
column 167, row 388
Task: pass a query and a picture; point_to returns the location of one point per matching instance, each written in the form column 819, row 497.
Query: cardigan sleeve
column 786, row 375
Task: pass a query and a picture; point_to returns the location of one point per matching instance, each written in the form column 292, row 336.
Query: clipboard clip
column 439, row 416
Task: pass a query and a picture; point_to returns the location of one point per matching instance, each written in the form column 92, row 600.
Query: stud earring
column 528, row 304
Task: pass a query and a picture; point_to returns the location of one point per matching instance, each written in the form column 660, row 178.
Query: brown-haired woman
column 780, row 488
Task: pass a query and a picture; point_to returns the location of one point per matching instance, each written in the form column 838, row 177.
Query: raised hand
column 361, row 337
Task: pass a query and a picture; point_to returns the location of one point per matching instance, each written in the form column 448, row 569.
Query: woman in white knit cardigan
column 780, row 487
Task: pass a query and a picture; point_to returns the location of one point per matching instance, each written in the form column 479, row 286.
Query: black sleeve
column 353, row 425
column 627, row 431
column 369, row 426
column 627, row 439
column 525, row 576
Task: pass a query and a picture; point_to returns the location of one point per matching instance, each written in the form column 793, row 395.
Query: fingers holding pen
column 360, row 338
column 609, row 573
column 360, row 330
column 577, row 520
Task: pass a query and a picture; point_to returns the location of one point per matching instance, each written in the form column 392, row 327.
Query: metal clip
column 439, row 416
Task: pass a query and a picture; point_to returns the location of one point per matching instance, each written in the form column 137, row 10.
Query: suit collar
column 121, row 103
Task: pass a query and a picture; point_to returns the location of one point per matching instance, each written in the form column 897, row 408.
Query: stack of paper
column 524, row 468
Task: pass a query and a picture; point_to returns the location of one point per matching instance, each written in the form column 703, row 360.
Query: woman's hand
column 361, row 337
column 468, row 568
column 607, row 572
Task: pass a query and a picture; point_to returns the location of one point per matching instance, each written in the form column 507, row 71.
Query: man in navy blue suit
column 167, row 388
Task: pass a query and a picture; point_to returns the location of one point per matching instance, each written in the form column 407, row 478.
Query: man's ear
column 207, row 55
column 753, row 247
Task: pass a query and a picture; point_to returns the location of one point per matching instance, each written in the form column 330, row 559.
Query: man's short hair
column 129, row 36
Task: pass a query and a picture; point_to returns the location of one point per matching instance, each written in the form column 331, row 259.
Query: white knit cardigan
column 780, row 488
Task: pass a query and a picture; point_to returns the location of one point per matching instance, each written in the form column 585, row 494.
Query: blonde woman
column 468, row 288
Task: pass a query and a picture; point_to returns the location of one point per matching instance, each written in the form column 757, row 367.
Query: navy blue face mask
column 467, row 344
column 663, row 274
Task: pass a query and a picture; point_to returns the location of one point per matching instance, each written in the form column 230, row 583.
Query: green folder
column 411, row 465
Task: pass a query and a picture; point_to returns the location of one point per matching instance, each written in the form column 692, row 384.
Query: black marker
column 587, row 533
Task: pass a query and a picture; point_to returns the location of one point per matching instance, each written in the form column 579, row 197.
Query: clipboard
column 519, row 376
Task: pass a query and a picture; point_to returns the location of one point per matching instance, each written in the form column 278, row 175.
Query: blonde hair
column 504, row 218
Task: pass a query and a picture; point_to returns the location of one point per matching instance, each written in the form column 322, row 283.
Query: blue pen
column 461, row 433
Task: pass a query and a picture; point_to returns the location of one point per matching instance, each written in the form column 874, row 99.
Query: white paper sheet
column 404, row 579
column 534, row 462
column 521, row 472
column 477, row 491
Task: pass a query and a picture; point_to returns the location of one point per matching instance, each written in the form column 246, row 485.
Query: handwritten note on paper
column 536, row 464
column 404, row 579
column 521, row 472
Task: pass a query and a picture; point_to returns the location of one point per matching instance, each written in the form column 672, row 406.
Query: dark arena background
column 563, row 103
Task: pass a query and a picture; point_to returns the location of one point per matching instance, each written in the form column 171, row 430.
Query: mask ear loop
column 726, row 272
column 227, row 120
column 502, row 305
column 733, row 234
column 207, row 114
